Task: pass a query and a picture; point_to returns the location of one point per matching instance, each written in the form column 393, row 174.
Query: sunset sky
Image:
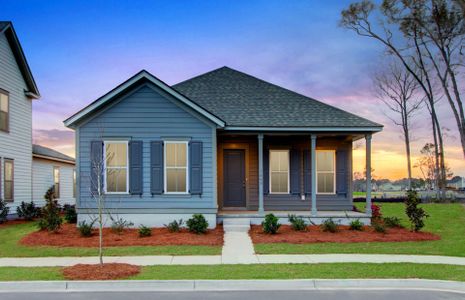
column 78, row 51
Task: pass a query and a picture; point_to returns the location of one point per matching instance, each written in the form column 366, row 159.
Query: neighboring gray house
column 224, row 144
column 52, row 168
column 17, row 91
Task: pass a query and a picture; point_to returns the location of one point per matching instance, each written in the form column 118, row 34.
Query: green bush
column 144, row 231
column 28, row 211
column 297, row 223
column 271, row 224
column 70, row 213
column 415, row 214
column 3, row 211
column 197, row 224
column 356, row 225
column 392, row 222
column 174, row 226
column 85, row 229
column 379, row 227
column 50, row 214
column 119, row 225
column 329, row 226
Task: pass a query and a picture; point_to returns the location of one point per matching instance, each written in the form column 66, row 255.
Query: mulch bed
column 68, row 236
column 100, row 272
column 315, row 235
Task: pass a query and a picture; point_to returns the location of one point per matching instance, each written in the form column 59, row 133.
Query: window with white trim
column 8, row 180
column 4, row 111
column 74, row 183
column 116, row 167
column 56, row 182
column 325, row 171
column 279, row 171
column 176, row 162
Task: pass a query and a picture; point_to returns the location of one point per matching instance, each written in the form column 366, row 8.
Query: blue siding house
column 223, row 144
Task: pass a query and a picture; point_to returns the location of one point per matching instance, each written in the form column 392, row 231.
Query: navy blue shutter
column 195, row 168
column 156, row 168
column 97, row 163
column 266, row 171
column 341, row 172
column 295, row 167
column 135, row 167
column 307, row 172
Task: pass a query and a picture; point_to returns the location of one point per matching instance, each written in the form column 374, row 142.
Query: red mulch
column 315, row 235
column 100, row 272
column 13, row 222
column 68, row 236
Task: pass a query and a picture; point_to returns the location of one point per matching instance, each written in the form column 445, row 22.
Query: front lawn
column 446, row 220
column 272, row 271
column 10, row 246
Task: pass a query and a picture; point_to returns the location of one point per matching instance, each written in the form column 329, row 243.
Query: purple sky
column 80, row 50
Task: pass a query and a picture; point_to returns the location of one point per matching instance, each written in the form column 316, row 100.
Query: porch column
column 313, row 168
column 261, row 209
column 368, row 173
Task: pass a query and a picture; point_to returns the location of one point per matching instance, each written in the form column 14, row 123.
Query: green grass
column 10, row 236
column 272, row 271
column 446, row 220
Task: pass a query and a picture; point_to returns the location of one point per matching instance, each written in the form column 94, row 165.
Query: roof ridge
column 203, row 74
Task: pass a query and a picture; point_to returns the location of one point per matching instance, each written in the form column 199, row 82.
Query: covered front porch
column 300, row 173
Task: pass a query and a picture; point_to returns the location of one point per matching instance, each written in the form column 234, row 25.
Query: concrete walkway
column 238, row 258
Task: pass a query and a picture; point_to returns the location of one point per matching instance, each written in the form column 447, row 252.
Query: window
column 116, row 167
column 325, row 174
column 74, row 183
column 56, row 181
column 176, row 167
column 279, row 171
column 4, row 111
column 8, row 180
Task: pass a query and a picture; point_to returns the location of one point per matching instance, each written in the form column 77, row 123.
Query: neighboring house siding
column 286, row 202
column 17, row 144
column 42, row 174
column 146, row 114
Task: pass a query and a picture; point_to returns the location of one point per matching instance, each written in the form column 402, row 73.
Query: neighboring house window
column 325, row 171
column 74, row 183
column 176, row 167
column 279, row 171
column 116, row 167
column 8, row 181
column 4, row 111
column 56, row 181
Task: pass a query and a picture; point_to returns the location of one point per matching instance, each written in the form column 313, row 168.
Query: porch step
column 236, row 225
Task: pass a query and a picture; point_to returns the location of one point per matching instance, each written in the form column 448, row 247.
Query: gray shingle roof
column 243, row 100
column 50, row 153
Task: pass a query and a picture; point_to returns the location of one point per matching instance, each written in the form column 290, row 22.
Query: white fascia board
column 313, row 129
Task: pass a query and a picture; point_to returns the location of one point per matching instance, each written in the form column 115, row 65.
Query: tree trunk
column 409, row 162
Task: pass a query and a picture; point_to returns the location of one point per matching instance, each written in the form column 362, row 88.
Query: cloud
column 60, row 140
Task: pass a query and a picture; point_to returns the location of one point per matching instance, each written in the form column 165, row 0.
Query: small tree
column 3, row 211
column 415, row 214
column 50, row 216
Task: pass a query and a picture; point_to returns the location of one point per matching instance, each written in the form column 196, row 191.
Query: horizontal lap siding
column 147, row 115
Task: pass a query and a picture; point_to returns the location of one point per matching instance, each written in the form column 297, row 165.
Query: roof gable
column 244, row 101
column 8, row 30
column 127, row 85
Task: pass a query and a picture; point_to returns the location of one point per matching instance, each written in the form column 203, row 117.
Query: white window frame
column 288, row 171
column 105, row 167
column 165, row 177
column 57, row 193
column 8, row 113
column 326, row 172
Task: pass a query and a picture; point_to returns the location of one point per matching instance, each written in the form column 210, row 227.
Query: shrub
column 392, row 222
column 70, row 213
column 174, row 226
column 197, row 224
column 297, row 223
column 379, row 227
column 28, row 211
column 329, row 226
column 356, row 225
column 3, row 211
column 375, row 212
column 144, row 231
column 271, row 224
column 119, row 225
column 50, row 214
column 85, row 229
column 415, row 214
